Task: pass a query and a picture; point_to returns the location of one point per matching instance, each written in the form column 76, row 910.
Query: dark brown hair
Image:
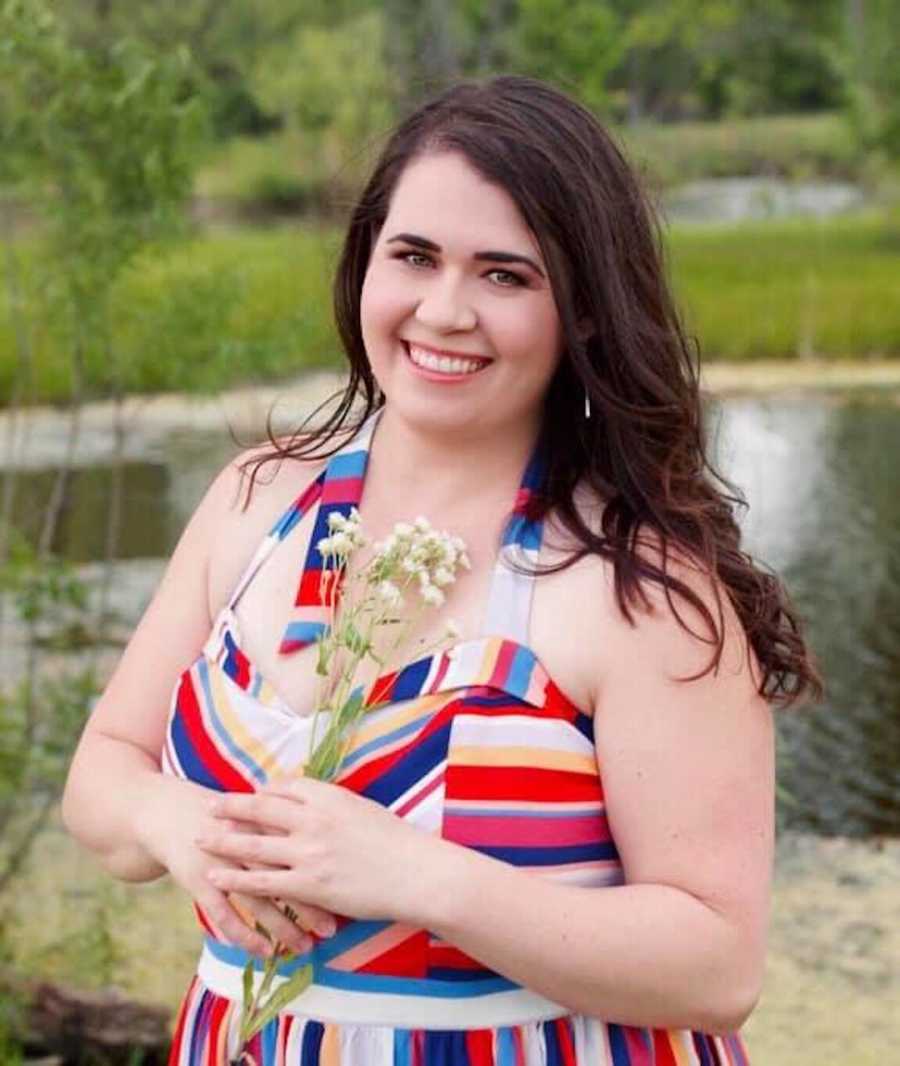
column 643, row 450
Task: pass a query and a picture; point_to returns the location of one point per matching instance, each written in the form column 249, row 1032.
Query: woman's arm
column 114, row 786
column 688, row 777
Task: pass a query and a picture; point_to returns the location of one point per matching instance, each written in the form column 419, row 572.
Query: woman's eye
column 512, row 279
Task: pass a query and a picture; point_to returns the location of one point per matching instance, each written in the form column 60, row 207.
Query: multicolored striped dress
column 476, row 743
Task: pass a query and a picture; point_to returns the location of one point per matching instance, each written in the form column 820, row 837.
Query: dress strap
column 508, row 609
column 341, row 490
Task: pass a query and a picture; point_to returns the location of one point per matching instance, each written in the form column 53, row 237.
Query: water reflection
column 822, row 484
column 820, row 477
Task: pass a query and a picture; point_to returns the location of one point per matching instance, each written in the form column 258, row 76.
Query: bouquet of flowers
column 414, row 561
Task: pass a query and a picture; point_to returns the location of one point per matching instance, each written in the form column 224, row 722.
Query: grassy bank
column 252, row 305
column 282, row 171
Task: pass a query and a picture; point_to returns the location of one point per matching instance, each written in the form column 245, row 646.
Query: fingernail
column 326, row 928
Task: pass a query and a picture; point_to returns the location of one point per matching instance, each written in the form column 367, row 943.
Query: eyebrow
column 494, row 257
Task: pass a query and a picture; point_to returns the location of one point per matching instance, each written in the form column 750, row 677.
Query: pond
column 820, row 474
column 744, row 199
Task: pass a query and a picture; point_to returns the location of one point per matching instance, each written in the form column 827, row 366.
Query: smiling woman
column 551, row 842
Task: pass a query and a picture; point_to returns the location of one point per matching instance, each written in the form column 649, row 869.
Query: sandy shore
column 36, row 439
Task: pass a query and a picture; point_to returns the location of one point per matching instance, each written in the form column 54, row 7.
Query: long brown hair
column 643, row 450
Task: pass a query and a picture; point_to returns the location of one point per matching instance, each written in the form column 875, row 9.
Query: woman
column 603, row 720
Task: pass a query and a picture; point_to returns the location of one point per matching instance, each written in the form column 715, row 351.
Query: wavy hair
column 643, row 451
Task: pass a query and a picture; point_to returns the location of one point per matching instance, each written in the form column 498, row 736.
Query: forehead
column 443, row 197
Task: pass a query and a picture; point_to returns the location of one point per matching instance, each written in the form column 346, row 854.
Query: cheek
column 381, row 304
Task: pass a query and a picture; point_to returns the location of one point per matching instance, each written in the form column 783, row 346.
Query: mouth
column 443, row 367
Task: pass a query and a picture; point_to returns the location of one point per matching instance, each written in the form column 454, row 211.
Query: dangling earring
column 587, row 404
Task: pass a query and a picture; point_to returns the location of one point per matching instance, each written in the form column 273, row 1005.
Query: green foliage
column 790, row 146
column 874, row 75
column 575, row 43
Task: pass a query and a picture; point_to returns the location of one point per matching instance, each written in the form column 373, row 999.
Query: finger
column 271, row 883
column 249, row 849
column 278, row 812
column 279, row 927
column 308, row 916
column 231, row 925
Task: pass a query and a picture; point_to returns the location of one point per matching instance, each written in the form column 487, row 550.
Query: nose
column 444, row 307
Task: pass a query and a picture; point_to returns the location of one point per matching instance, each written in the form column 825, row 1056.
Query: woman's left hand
column 335, row 849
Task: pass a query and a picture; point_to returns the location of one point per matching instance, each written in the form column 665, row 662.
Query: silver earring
column 587, row 404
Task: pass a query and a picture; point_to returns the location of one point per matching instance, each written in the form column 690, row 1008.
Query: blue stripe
column 363, row 982
column 382, row 741
column 445, row 1047
column 402, row 1048
column 269, row 1040
column 191, row 766
column 506, row 1047
column 618, row 1045
column 409, row 768
column 409, row 681
column 551, row 1044
column 294, row 513
column 347, row 464
column 311, row 1045
column 520, row 670
column 304, row 631
column 551, row 856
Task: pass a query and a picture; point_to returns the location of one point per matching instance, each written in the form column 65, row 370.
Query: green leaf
column 354, row 640
column 280, row 999
column 247, row 983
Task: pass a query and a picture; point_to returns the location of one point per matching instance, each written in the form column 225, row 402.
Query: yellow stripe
column 538, row 758
column 235, row 727
column 488, row 660
column 407, row 711
column 330, row 1049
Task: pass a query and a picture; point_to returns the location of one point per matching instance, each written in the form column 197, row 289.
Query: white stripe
column 519, row 731
column 518, row 1006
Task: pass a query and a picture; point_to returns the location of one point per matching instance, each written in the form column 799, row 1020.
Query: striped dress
column 475, row 743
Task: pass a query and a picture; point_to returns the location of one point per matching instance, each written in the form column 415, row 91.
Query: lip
column 434, row 375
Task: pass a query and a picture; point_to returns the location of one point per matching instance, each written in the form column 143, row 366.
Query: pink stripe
column 342, row 490
column 374, row 946
column 419, row 796
column 504, row 661
column 506, row 829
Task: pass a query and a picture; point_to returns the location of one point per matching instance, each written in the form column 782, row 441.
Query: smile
column 444, row 365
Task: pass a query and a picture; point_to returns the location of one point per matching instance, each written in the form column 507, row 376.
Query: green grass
column 252, row 305
column 791, row 289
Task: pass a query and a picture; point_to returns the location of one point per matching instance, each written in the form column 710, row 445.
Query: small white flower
column 336, row 521
column 422, row 524
column 464, row 561
column 324, row 545
column 409, row 565
column 341, row 543
column 432, row 595
column 390, row 594
column 403, row 529
column 442, row 576
column 452, row 632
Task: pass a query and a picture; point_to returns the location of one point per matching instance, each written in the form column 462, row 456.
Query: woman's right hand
column 177, row 817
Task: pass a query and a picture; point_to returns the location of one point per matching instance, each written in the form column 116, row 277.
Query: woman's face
column 457, row 313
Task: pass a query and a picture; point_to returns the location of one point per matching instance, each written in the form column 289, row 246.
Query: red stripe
column 638, row 1052
column 407, row 959
column 175, row 1049
column 220, row 770
column 217, row 1014
column 567, row 1046
column 519, row 783
column 308, row 592
column 342, row 490
column 446, row 957
column 663, row 1055
column 480, row 1047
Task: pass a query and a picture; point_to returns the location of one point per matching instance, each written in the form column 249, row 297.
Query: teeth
column 441, row 363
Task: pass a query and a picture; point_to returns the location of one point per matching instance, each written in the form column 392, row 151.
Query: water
column 743, row 199
column 820, row 474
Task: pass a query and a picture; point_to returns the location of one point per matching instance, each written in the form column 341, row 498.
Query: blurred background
column 174, row 177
